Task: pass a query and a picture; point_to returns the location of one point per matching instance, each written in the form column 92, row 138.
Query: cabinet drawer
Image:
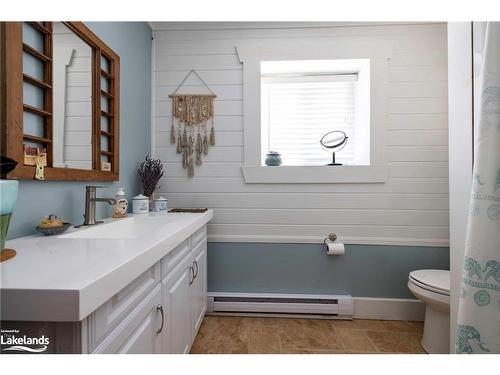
column 198, row 236
column 174, row 257
column 107, row 317
column 138, row 332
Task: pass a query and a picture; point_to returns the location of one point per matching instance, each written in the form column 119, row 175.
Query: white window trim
column 252, row 53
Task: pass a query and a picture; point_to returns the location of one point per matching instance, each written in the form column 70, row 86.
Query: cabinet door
column 137, row 333
column 199, row 285
column 176, row 298
column 110, row 314
column 143, row 339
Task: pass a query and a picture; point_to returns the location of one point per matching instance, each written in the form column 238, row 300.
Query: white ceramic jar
column 140, row 204
column 160, row 205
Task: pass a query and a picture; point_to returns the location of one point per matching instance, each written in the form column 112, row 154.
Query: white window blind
column 297, row 110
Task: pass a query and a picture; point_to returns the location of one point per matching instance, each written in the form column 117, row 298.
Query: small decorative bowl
column 53, row 231
column 273, row 159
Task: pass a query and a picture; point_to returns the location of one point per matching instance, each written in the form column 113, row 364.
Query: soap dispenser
column 121, row 207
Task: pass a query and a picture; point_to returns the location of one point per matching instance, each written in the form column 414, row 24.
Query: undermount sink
column 128, row 228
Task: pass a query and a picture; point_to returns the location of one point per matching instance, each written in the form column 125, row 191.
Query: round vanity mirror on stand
column 333, row 142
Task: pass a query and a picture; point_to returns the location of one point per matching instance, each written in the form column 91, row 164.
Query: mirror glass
column 71, row 96
column 333, row 139
column 72, row 103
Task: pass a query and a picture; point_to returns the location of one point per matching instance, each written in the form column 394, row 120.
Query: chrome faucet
column 90, row 200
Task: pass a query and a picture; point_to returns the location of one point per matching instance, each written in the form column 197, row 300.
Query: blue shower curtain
column 478, row 329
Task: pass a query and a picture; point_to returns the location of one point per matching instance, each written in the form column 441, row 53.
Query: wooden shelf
column 107, row 94
column 36, row 82
column 106, row 74
column 36, row 111
column 33, row 52
column 36, row 139
column 107, row 134
column 13, row 79
column 107, row 114
column 40, row 27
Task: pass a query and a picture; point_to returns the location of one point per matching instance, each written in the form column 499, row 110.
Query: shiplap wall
column 410, row 208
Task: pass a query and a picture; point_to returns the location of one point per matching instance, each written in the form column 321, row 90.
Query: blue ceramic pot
column 8, row 197
column 273, row 159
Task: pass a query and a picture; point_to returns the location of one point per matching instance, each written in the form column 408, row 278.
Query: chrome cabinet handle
column 160, row 308
column 196, row 264
column 192, row 275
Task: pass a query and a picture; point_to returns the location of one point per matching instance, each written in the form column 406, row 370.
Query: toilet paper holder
column 332, row 247
column 331, row 236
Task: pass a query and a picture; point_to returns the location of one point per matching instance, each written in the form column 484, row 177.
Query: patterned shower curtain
column 478, row 329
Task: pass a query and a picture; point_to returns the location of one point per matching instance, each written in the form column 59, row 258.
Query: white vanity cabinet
column 159, row 312
column 131, row 285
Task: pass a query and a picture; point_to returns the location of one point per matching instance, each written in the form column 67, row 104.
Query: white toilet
column 432, row 287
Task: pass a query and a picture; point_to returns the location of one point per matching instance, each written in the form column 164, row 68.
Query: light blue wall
column 364, row 271
column 132, row 42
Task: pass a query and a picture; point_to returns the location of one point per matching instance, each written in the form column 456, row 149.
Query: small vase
column 273, row 159
column 151, row 203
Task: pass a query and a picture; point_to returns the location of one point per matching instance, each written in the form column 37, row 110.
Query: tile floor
column 224, row 334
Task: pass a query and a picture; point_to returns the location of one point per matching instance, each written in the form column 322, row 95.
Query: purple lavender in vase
column 150, row 171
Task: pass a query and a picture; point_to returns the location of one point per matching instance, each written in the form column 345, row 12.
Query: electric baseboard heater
column 263, row 304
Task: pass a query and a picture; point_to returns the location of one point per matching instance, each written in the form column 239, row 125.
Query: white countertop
column 59, row 278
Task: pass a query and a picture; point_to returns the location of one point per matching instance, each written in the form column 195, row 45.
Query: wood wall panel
column 410, row 208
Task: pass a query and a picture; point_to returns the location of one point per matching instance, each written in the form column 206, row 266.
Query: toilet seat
column 436, row 281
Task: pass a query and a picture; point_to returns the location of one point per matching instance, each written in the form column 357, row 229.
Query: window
column 302, row 100
column 358, row 65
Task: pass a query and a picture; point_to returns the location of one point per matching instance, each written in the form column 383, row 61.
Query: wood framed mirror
column 60, row 101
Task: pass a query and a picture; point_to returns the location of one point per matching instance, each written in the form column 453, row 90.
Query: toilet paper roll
column 334, row 248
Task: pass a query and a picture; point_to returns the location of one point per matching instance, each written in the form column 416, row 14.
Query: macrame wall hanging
column 192, row 115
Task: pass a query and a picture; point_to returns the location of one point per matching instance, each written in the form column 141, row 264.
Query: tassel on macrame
column 172, row 133
column 199, row 144
column 190, row 169
column 184, row 138
column 199, row 148
column 184, row 158
column 179, row 143
column 190, row 145
column 212, row 136
column 205, row 144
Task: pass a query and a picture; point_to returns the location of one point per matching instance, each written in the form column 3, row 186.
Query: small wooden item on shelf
column 36, row 156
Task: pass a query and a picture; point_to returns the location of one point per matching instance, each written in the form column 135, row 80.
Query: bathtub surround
column 132, row 41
